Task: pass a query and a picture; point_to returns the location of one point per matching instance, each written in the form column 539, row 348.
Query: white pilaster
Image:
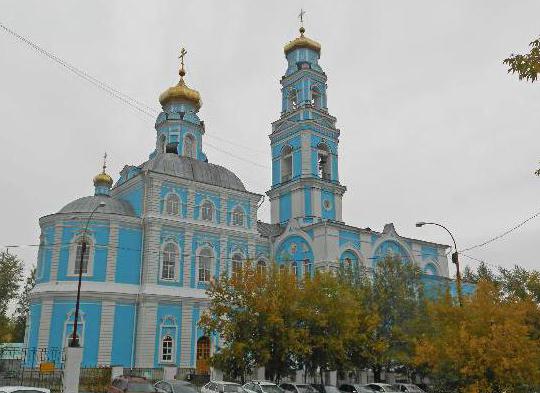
column 146, row 334
column 58, row 228
column 185, row 341
column 45, row 323
column 112, row 251
column 188, row 253
column 106, row 333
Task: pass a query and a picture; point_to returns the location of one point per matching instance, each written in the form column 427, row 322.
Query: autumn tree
column 255, row 312
column 23, row 307
column 11, row 270
column 484, row 346
column 527, row 66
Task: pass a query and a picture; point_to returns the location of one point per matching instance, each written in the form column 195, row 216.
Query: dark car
column 297, row 388
column 408, row 388
column 128, row 384
column 325, row 388
column 354, row 388
column 175, row 386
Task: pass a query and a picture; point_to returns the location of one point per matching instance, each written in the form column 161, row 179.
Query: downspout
column 136, row 316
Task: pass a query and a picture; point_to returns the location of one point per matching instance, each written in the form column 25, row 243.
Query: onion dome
column 302, row 42
column 102, row 181
column 181, row 92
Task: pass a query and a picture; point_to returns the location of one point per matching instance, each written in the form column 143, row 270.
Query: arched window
column 173, row 204
column 84, row 248
column 167, row 345
column 207, row 211
column 316, row 98
column 294, row 268
column 324, row 161
column 282, row 268
column 236, row 265
column 189, row 146
column 348, row 263
column 286, row 163
column 293, row 100
column 170, row 256
column 162, row 143
column 307, row 268
column 238, row 217
column 261, row 266
column 205, row 264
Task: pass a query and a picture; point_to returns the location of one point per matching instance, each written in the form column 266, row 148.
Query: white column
column 58, row 228
column 152, row 253
column 72, row 370
column 146, row 335
column 112, row 251
column 306, row 153
column 45, row 323
column 188, row 253
column 185, row 341
column 106, row 333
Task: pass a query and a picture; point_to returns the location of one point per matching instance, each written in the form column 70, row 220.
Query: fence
column 152, row 374
column 37, row 367
column 95, row 379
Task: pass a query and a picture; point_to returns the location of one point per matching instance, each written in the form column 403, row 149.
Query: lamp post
column 75, row 338
column 455, row 255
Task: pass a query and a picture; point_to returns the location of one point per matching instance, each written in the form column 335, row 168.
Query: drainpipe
column 136, row 316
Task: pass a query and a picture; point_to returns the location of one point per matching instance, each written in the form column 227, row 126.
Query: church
column 156, row 237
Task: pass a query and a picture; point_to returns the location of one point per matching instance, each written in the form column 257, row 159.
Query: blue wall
column 308, row 211
column 43, row 272
column 124, row 316
column 128, row 256
column 35, row 318
column 91, row 315
column 135, row 197
column 99, row 232
column 329, row 214
column 285, row 207
column 294, row 249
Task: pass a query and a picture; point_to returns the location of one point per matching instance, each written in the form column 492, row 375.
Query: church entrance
column 203, row 355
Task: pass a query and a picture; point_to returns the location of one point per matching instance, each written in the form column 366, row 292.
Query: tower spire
column 182, row 71
column 301, row 17
column 104, row 162
column 102, row 181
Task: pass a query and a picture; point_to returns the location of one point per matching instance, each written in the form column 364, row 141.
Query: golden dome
column 302, row 42
column 181, row 92
column 102, row 179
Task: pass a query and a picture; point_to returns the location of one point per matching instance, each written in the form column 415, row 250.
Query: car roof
column 225, row 383
column 9, row 389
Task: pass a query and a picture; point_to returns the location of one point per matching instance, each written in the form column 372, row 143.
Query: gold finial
column 301, row 17
column 104, row 162
column 182, row 72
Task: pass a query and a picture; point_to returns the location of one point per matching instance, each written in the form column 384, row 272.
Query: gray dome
column 191, row 169
column 88, row 204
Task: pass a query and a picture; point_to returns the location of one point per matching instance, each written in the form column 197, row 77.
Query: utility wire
column 502, row 234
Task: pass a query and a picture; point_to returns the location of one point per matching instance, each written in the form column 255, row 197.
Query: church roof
column 267, row 230
column 192, row 169
column 88, row 204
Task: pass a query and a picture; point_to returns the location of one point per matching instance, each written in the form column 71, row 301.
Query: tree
column 484, row 346
column 393, row 295
column 330, row 314
column 255, row 314
column 527, row 66
column 23, row 307
column 11, row 271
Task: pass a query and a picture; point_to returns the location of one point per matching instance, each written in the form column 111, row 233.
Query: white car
column 381, row 387
column 22, row 389
column 262, row 387
column 221, row 387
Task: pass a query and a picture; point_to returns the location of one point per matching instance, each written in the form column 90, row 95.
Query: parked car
column 22, row 389
column 354, row 388
column 380, row 387
column 129, row 384
column 174, row 386
column 408, row 387
column 222, row 387
column 325, row 388
column 262, row 387
column 298, row 388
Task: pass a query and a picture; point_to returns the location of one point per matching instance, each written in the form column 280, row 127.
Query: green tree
column 330, row 314
column 11, row 271
column 527, row 66
column 23, row 307
column 393, row 295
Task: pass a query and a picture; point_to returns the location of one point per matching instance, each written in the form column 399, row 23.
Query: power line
column 502, row 234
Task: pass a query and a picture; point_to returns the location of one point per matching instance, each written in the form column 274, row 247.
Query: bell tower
column 304, row 141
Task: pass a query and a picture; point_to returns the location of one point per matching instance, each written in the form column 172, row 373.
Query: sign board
column 46, row 367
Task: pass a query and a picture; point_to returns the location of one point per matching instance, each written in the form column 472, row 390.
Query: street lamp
column 455, row 255
column 75, row 338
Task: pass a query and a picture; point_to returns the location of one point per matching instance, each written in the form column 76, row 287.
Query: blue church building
column 171, row 224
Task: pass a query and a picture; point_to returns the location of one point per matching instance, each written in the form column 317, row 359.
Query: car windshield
column 143, row 387
column 232, row 388
column 183, row 388
column 331, row 389
column 271, row 389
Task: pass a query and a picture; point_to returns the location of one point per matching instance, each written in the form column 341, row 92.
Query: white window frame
column 203, row 216
column 178, row 204
column 80, row 327
column 323, row 151
column 193, row 152
column 236, row 260
column 262, row 265
column 168, row 323
column 211, row 258
column 176, row 261
column 90, row 251
column 309, row 266
column 286, row 161
column 238, row 216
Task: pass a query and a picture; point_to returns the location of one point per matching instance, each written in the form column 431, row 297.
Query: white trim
column 214, row 210
column 165, row 203
column 240, row 253
column 194, row 139
column 176, row 261
column 209, row 246
column 91, row 249
column 174, row 337
column 80, row 328
column 348, row 246
column 244, row 216
column 383, row 239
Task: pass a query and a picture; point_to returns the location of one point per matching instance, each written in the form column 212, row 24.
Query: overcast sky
column 432, row 127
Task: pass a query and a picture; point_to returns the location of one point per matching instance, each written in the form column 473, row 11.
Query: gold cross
column 183, row 52
column 301, row 17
